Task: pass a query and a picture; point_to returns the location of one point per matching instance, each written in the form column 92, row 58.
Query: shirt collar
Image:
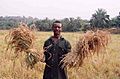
column 61, row 38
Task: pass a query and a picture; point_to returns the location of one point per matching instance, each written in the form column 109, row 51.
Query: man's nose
column 57, row 28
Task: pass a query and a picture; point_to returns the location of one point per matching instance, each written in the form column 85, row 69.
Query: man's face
column 57, row 28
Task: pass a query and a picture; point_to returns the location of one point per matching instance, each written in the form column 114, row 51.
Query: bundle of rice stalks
column 20, row 39
column 89, row 44
column 102, row 38
column 32, row 57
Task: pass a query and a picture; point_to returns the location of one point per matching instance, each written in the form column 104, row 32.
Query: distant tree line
column 100, row 19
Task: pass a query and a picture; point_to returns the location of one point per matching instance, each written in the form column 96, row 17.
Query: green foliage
column 8, row 22
column 100, row 19
column 44, row 25
column 72, row 24
column 116, row 21
column 69, row 24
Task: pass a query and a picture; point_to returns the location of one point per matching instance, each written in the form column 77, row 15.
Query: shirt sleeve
column 44, row 48
column 68, row 46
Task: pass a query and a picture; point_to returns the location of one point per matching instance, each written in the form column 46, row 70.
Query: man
column 55, row 48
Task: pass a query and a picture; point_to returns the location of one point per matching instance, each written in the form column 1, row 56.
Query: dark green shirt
column 54, row 53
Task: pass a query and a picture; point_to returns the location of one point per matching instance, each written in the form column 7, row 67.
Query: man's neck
column 56, row 36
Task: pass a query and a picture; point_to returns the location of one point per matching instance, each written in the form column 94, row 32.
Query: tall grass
column 104, row 66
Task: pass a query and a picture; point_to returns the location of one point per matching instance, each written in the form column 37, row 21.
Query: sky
column 58, row 9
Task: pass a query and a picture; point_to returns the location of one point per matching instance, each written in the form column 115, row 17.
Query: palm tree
column 100, row 19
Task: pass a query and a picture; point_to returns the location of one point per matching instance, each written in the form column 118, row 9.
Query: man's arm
column 68, row 47
column 47, row 47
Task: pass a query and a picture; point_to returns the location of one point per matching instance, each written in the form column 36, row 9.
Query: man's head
column 57, row 28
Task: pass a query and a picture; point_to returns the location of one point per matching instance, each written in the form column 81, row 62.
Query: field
column 104, row 66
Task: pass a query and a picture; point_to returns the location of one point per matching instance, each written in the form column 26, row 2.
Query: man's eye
column 57, row 27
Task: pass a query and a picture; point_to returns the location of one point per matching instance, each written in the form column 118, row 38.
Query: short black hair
column 57, row 21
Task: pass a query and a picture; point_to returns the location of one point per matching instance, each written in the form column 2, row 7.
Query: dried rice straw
column 89, row 44
column 22, row 39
